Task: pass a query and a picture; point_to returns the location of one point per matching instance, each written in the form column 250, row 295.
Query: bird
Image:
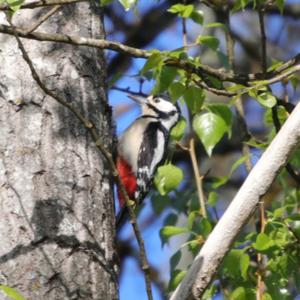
column 143, row 147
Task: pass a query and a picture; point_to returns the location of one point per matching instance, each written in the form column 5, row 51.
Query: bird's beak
column 139, row 99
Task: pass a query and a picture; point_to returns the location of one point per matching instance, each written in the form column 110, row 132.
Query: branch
column 42, row 3
column 108, row 156
column 288, row 68
column 43, row 18
column 76, row 40
column 241, row 208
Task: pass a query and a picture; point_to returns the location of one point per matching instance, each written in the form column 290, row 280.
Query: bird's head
column 159, row 107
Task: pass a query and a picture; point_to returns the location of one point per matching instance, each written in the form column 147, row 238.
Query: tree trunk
column 56, row 217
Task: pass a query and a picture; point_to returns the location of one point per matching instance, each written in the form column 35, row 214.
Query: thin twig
column 41, row 3
column 76, row 40
column 108, row 156
column 198, row 177
column 238, row 104
column 43, row 18
column 263, row 39
column 191, row 148
column 127, row 90
column 214, row 90
column 260, row 257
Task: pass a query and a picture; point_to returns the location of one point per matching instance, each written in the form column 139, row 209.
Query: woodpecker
column 142, row 147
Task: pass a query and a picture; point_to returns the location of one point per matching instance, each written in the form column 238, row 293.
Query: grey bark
column 56, row 216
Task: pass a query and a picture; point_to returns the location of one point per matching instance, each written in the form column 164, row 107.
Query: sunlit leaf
column 263, row 242
column 197, row 16
column 194, row 98
column 244, row 265
column 152, row 62
column 176, row 278
column 209, row 41
column 177, row 132
column 210, row 128
column 239, row 294
column 12, row 293
column 176, row 90
column 167, row 178
column 127, row 4
column 182, row 10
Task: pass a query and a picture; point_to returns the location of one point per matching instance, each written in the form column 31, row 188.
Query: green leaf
column 178, row 130
column 14, row 5
column 182, row 10
column 213, row 25
column 191, row 218
column 197, row 16
column 159, row 203
column 264, row 97
column 235, row 88
column 105, row 2
column 176, row 90
column 169, row 231
column 238, row 5
column 224, row 112
column 167, row 178
column 210, row 128
column 176, row 278
column 152, row 62
column 209, row 41
column 263, row 242
column 205, row 227
column 244, row 265
column 219, row 181
column 127, row 4
column 275, row 64
column 194, row 98
column 238, row 294
column 266, row 296
column 212, row 198
column 12, row 293
column 232, row 263
column 174, row 260
column 239, row 162
column 280, row 4
column 165, row 77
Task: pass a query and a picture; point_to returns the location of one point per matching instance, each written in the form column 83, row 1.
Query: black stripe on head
column 165, row 115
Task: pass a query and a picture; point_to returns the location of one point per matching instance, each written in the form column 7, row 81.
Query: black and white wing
column 151, row 154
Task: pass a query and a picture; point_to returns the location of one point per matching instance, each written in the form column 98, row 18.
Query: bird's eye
column 156, row 100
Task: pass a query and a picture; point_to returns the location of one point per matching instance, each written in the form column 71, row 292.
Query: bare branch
column 241, row 208
column 198, row 177
column 42, row 3
column 76, row 40
column 203, row 71
column 43, row 18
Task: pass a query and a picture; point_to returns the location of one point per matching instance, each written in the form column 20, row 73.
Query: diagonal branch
column 43, row 18
column 208, row 260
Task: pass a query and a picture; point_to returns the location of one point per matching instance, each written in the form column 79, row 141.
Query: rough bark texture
column 56, row 216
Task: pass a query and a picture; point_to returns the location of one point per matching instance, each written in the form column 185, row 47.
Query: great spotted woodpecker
column 142, row 147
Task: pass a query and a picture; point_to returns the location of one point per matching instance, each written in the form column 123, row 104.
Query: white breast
column 130, row 142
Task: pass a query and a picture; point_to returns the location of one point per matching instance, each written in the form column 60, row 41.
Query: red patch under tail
column 128, row 179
